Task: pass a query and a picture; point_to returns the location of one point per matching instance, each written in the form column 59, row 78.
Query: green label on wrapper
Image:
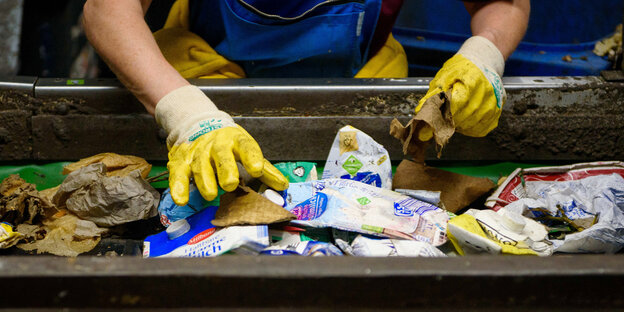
column 376, row 229
column 363, row 201
column 352, row 165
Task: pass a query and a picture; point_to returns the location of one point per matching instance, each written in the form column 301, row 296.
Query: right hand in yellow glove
column 477, row 95
column 203, row 141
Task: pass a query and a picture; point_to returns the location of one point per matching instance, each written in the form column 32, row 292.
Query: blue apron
column 288, row 38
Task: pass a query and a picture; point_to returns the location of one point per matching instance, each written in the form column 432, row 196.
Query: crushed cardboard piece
column 245, row 206
column 107, row 200
column 116, row 165
column 458, row 190
column 20, row 202
column 66, row 236
column 435, row 113
column 47, row 194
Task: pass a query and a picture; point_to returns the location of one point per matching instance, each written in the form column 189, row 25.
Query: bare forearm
column 118, row 32
column 502, row 22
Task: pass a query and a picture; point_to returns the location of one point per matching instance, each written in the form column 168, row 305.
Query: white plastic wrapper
column 583, row 191
column 601, row 195
column 358, row 207
column 508, row 228
column 368, row 247
column 356, row 156
column 432, row 197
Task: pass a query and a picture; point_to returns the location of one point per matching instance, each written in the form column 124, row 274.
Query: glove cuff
column 483, row 53
column 186, row 113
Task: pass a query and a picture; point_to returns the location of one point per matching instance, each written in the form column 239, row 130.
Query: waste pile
column 357, row 208
column 98, row 193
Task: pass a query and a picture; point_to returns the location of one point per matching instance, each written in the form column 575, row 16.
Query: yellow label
column 348, row 141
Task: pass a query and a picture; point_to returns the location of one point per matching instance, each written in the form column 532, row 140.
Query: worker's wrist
column 483, row 53
column 187, row 113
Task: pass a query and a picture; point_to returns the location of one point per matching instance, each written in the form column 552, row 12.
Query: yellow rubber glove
column 477, row 96
column 203, row 140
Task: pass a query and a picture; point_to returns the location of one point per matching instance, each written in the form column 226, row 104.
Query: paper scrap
column 435, row 113
column 107, row 201
column 458, row 190
column 20, row 202
column 116, row 165
column 245, row 206
column 66, row 236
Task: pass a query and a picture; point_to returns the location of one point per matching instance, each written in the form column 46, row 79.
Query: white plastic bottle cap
column 514, row 222
column 178, row 228
column 274, row 197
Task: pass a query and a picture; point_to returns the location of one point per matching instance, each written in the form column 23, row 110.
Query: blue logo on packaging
column 311, row 208
column 367, row 177
column 402, row 210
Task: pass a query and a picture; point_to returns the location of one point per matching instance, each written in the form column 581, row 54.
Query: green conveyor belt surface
column 49, row 174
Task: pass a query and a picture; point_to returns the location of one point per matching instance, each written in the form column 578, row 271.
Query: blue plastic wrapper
column 202, row 239
column 170, row 212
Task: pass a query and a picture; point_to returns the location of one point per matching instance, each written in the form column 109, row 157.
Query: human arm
column 502, row 22
column 117, row 30
column 203, row 141
column 473, row 74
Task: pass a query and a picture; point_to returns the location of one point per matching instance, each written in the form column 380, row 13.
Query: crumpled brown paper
column 435, row 113
column 457, row 190
column 116, row 165
column 20, row 202
column 245, row 206
column 66, row 235
column 107, row 200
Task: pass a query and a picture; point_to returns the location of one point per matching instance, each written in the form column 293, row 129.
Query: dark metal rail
column 488, row 282
column 545, row 118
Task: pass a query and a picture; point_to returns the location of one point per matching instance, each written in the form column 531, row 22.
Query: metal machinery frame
column 546, row 119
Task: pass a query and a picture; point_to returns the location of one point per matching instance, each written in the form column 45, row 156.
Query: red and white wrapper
column 512, row 189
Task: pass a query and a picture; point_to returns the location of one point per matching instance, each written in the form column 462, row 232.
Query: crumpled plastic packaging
column 356, row 156
column 67, row 236
column 496, row 232
column 170, row 212
column 601, row 196
column 358, row 207
column 432, row 197
column 298, row 171
column 370, row 247
column 8, row 237
column 197, row 237
column 107, row 201
column 302, row 248
column 585, row 192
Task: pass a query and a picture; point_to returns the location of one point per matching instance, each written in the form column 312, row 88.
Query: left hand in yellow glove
column 203, row 141
column 477, row 95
